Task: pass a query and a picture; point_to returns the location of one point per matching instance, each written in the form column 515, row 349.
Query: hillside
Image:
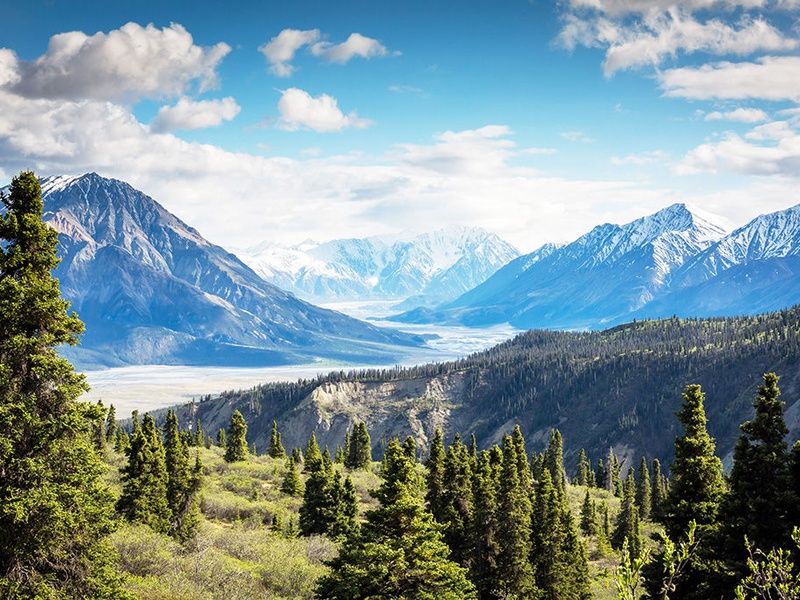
column 620, row 387
column 151, row 289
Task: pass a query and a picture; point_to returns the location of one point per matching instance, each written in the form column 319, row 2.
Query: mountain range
column 420, row 270
column 151, row 289
column 674, row 262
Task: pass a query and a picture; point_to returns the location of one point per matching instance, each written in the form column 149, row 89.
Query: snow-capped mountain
column 600, row 278
column 431, row 267
column 151, row 289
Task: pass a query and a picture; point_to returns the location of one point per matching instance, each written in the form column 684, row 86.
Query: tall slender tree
column 434, row 477
column 584, row 468
column 292, row 483
column 55, row 511
column 554, row 460
column 360, row 453
column 484, row 544
column 111, row 425
column 236, row 439
column 659, row 492
column 183, row 481
column 627, row 529
column 276, row 449
column 312, row 457
column 644, row 490
column 457, row 501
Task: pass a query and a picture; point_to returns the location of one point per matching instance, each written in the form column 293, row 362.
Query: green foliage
column 456, row 501
column 584, row 468
column 292, row 484
column 626, row 529
column 484, row 542
column 589, row 524
column 54, row 509
column 312, row 460
column 628, row 577
column 359, row 455
column 183, row 482
column 771, row 575
column 276, row 449
column 434, row 478
column 111, row 425
column 236, row 438
column 659, row 492
column 644, row 490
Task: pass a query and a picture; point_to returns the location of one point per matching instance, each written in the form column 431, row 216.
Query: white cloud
column 768, row 78
column 9, row 67
column 355, row 45
column 656, row 36
column 122, row 65
column 280, row 50
column 742, row 115
column 641, row 159
column 769, row 149
column 623, row 7
column 301, row 110
column 576, row 136
column 194, row 114
column 406, row 89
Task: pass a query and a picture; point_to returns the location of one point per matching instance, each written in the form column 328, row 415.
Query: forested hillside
column 620, row 387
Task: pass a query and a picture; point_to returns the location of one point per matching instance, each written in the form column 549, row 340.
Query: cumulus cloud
column 742, row 115
column 301, row 110
column 280, row 50
column 355, row 45
column 194, row 114
column 125, row 64
column 769, row 78
column 657, row 35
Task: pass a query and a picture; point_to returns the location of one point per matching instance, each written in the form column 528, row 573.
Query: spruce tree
column 554, row 459
column 344, row 521
column 236, row 439
column 55, row 511
column 643, row 490
column 514, row 571
column 588, row 516
column 600, row 476
column 484, row 543
column 434, row 477
column 584, row 468
column 696, row 483
column 759, row 506
column 360, row 453
column 292, row 484
column 320, row 506
column 183, row 481
column 144, row 479
column 523, row 468
column 456, row 501
column 410, row 448
column 399, row 552
column 627, row 527
column 312, row 460
column 659, row 494
column 221, row 441
column 111, row 425
column 276, row 449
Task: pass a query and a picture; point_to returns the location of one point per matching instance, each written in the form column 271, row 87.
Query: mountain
column 151, row 289
column 427, row 268
column 620, row 387
column 600, row 278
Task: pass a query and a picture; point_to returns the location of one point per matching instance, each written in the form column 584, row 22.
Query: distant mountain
column 151, row 289
column 600, row 278
column 428, row 268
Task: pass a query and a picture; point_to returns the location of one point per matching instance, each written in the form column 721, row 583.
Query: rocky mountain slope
column 431, row 267
column 620, row 387
column 151, row 289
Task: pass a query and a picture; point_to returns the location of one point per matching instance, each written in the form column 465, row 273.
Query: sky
column 283, row 121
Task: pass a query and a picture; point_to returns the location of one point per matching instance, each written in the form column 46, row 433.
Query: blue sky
column 534, row 119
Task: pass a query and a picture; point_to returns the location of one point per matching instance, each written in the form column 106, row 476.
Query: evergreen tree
column 659, row 494
column 484, row 543
column 554, row 461
column 399, row 552
column 360, row 454
column 292, row 484
column 55, row 511
column 434, row 478
column 627, row 527
column 759, row 505
column 410, row 448
column 144, row 479
column 111, row 425
column 312, row 456
column 236, row 439
column 514, row 571
column 344, row 522
column 183, row 482
column 600, row 476
column 99, row 433
column 456, row 500
column 643, row 490
column 221, row 441
column 612, row 470
column 276, row 449
column 584, row 468
column 589, row 523
column 297, row 456
column 523, row 468
column 696, row 485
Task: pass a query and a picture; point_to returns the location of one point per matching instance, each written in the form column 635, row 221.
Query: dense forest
column 620, row 387
column 152, row 509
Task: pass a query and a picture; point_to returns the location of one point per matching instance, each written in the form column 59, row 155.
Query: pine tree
column 276, row 449
column 659, row 494
column 759, row 505
column 292, row 484
column 456, row 500
column 514, row 570
column 588, row 516
column 55, row 511
column 612, row 470
column 399, row 552
column 410, row 448
column 627, row 525
column 484, row 544
column 221, row 441
column 584, row 468
column 183, row 482
column 111, row 425
column 600, row 477
column 344, row 521
column 643, row 490
column 297, row 456
column 99, row 433
column 360, row 454
column 434, row 478
column 523, row 468
column 236, row 439
column 144, row 479
column 696, row 485
column 312, row 456
column 554, row 460
column 319, row 508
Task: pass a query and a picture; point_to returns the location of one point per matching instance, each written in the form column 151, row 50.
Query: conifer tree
column 484, row 544
column 434, row 478
column 144, row 479
column 312, row 456
column 612, row 469
column 360, row 454
column 221, row 441
column 297, row 456
column 344, row 518
column 291, row 484
column 399, row 552
column 523, row 468
column 111, row 425
column 554, row 460
column 236, row 439
column 600, row 476
column 55, row 511
column 276, row 449
column 589, row 523
column 659, row 494
column 537, row 466
column 514, row 571
column 584, row 468
column 697, row 485
column 99, row 434
column 320, row 506
column 643, row 490
column 410, row 448
column 627, row 527
column 183, row 482
column 456, row 500
column 473, row 450
column 759, row 505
